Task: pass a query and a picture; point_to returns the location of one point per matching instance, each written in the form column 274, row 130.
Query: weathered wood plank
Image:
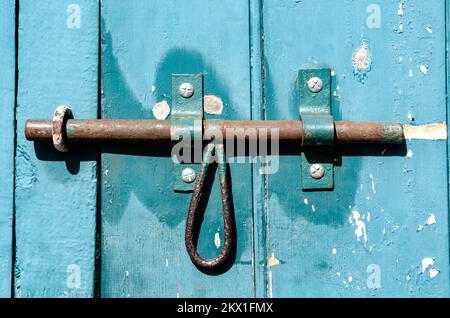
column 370, row 236
column 7, row 109
column 143, row 43
column 56, row 193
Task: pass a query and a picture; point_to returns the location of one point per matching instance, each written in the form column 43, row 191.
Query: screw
column 316, row 171
column 315, row 84
column 186, row 90
column 188, row 175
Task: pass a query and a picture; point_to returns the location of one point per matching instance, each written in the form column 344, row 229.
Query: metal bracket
column 314, row 88
column 186, row 129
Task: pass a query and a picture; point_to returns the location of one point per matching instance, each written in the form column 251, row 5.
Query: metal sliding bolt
column 315, row 84
column 188, row 175
column 186, row 90
column 316, row 171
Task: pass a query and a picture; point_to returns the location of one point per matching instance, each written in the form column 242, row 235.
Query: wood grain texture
column 143, row 43
column 333, row 243
column 56, row 193
column 7, row 108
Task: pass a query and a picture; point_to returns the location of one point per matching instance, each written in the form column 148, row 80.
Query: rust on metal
column 112, row 130
column 196, row 211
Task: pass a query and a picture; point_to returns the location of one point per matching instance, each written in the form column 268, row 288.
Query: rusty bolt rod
column 124, row 130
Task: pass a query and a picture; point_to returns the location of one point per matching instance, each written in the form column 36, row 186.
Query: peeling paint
column 426, row 132
column 334, row 251
column 433, row 272
column 305, row 200
column 373, row 184
column 429, row 29
column 431, row 219
column 362, row 61
column 360, row 230
column 213, row 105
column 426, row 263
column 423, row 69
column 161, row 110
column 273, row 261
column 400, row 11
column 409, row 153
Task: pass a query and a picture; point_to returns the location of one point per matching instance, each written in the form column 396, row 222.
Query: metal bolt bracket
column 314, row 91
column 186, row 129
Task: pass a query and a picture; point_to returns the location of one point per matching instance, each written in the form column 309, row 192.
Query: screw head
column 186, row 90
column 315, row 84
column 188, row 175
column 317, row 171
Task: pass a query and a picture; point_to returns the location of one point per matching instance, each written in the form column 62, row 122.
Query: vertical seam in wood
column 447, row 82
column 16, row 88
column 98, row 221
column 258, row 112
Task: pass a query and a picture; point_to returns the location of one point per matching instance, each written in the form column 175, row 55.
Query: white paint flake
column 400, row 11
column 429, row 29
column 426, row 263
column 433, row 272
column 409, row 153
column 213, row 104
column 161, row 110
column 106, row 172
column 420, row 228
column 423, row 69
column 361, row 59
column 400, row 28
column 305, row 200
column 313, row 208
column 360, row 230
column 411, row 73
column 369, row 217
column 167, row 262
column 217, row 239
column 334, row 251
column 431, row 219
column 373, row 184
column 395, row 228
column 153, row 89
column 350, row 278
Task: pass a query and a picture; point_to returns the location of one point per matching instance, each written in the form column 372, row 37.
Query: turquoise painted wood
column 143, row 43
column 7, row 105
column 56, row 193
column 370, row 237
column 382, row 232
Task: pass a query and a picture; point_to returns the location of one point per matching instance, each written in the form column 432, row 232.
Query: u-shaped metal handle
column 194, row 210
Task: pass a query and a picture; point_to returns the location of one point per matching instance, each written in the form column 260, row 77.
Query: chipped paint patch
column 433, row 272
column 373, row 184
column 213, row 105
column 426, row 263
column 400, row 11
column 217, row 240
column 167, row 262
column 305, row 200
column 431, row 219
column 273, row 261
column 360, row 230
column 362, row 61
column 424, row 69
column 334, row 251
column 161, row 110
column 426, row 132
column 429, row 29
column 409, row 154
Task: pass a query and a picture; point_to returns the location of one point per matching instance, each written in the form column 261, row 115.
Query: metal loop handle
column 194, row 210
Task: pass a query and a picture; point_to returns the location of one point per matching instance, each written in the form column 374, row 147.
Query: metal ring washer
column 59, row 136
